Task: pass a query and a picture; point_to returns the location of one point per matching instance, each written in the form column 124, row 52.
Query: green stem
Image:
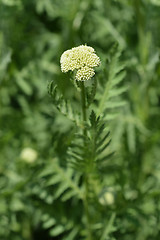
column 86, row 206
column 85, row 201
column 83, row 101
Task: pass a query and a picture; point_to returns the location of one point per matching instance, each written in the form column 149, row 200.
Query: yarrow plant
column 82, row 59
column 89, row 150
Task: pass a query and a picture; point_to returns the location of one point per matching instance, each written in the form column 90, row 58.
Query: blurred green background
column 33, row 35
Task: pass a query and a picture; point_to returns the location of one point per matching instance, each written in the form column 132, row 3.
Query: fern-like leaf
column 87, row 153
column 65, row 183
column 109, row 95
column 64, row 106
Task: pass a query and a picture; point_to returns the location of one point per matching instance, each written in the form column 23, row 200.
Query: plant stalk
column 85, row 201
column 83, row 102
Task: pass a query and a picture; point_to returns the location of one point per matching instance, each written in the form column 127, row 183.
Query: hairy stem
column 85, row 201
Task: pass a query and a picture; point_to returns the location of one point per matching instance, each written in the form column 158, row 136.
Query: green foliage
column 68, row 183
column 93, row 155
column 65, row 185
column 44, row 155
column 63, row 105
column 111, row 89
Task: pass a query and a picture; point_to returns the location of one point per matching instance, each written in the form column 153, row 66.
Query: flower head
column 28, row 155
column 82, row 59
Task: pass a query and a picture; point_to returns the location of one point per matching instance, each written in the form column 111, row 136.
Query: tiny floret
column 82, row 59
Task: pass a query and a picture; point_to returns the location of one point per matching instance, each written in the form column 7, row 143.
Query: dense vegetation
column 42, row 148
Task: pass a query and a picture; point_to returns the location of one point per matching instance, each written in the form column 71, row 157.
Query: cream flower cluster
column 82, row 59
